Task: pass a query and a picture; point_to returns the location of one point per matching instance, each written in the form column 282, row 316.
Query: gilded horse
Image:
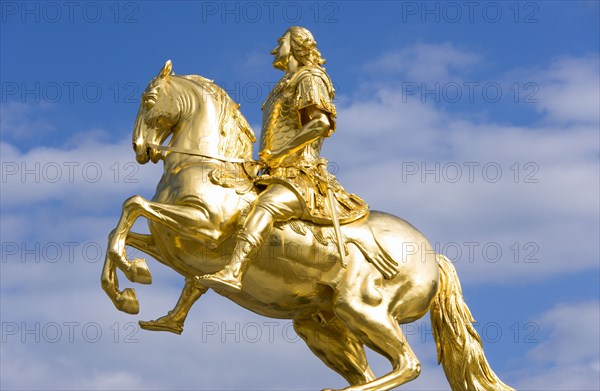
column 392, row 275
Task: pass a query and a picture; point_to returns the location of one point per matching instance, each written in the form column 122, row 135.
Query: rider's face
column 282, row 52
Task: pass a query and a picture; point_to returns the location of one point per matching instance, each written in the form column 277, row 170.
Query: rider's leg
column 174, row 320
column 276, row 203
column 246, row 245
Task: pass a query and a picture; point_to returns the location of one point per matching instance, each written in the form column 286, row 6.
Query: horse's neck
column 198, row 127
column 209, row 123
column 197, row 133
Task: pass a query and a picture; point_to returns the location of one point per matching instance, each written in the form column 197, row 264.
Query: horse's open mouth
column 154, row 154
column 143, row 156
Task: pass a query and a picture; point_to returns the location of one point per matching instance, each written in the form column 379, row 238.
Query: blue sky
column 478, row 122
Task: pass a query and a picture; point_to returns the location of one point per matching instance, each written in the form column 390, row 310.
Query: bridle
column 196, row 153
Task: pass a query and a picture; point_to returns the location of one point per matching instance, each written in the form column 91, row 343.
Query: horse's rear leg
column 382, row 334
column 191, row 292
column 372, row 323
column 174, row 320
column 337, row 347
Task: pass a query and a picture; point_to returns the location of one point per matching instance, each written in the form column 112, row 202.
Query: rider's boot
column 230, row 277
column 174, row 320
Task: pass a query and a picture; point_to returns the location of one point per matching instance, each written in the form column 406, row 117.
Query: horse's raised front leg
column 191, row 222
column 195, row 222
column 136, row 270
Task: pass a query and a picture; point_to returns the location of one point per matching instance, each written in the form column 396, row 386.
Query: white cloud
column 21, row 122
column 574, row 335
column 254, row 61
column 569, row 89
column 424, row 61
column 570, row 358
column 91, row 174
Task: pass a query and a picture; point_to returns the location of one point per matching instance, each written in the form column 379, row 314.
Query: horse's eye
column 149, row 102
column 150, row 98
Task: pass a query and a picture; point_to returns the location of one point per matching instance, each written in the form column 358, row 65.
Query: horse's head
column 198, row 113
column 157, row 116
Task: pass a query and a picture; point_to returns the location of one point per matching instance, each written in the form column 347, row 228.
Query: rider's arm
column 315, row 124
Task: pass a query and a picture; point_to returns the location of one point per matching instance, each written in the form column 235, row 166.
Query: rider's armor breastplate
column 281, row 113
column 298, row 171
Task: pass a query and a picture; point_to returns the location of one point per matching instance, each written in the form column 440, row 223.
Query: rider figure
column 297, row 116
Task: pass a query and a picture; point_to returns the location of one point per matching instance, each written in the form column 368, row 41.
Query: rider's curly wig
column 304, row 47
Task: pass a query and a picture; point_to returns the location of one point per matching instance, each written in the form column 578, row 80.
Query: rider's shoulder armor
column 315, row 88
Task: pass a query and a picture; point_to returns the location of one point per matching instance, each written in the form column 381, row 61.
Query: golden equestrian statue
column 280, row 236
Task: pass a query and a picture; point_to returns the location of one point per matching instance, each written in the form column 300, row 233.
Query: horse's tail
column 458, row 344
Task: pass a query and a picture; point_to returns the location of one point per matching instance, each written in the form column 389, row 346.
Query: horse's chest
column 182, row 182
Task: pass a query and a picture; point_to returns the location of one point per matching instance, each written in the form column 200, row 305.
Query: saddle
column 243, row 178
column 353, row 233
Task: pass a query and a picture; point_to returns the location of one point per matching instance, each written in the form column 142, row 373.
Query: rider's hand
column 265, row 156
column 269, row 159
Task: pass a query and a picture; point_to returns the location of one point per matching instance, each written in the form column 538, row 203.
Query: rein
column 195, row 153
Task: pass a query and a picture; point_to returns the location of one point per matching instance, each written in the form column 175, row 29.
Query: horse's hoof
column 127, row 302
column 138, row 272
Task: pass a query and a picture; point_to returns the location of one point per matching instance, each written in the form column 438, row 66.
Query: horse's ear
column 166, row 71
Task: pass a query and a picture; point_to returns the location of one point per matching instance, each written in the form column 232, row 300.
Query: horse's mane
column 236, row 134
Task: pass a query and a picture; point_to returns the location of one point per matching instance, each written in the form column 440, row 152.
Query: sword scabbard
column 334, row 216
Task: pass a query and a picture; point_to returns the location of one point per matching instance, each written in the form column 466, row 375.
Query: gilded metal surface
column 214, row 223
column 335, row 220
column 297, row 116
